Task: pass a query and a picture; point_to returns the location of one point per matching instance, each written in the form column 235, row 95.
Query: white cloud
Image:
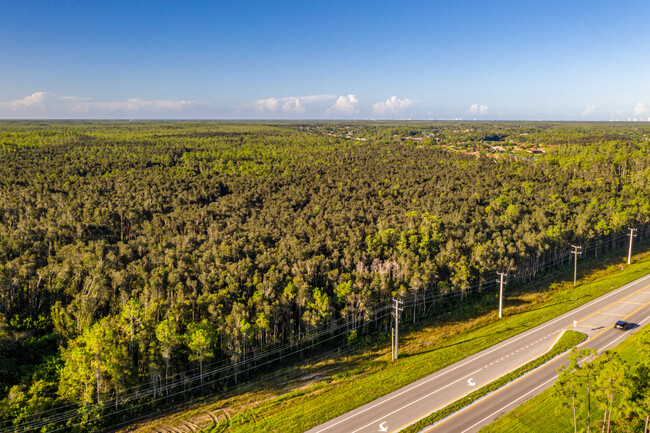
column 589, row 109
column 136, row 104
column 36, row 99
column 639, row 109
column 477, row 109
column 47, row 104
column 293, row 105
column 288, row 104
column 344, row 104
column 269, row 104
column 392, row 105
column 41, row 100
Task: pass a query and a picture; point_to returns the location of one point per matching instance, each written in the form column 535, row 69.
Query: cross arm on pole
column 577, row 251
column 501, row 281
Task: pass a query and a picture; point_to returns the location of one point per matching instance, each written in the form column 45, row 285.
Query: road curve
column 396, row 410
column 491, row 407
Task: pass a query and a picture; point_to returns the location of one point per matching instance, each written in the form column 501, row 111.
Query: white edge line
column 494, row 379
column 509, row 404
column 604, row 348
column 505, row 343
column 416, row 401
column 476, row 402
column 527, row 374
column 462, row 409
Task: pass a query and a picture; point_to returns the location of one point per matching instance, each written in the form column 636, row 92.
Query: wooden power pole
column 501, row 281
column 632, row 235
column 397, row 305
column 576, row 252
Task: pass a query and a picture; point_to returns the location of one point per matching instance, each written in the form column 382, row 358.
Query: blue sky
column 556, row 60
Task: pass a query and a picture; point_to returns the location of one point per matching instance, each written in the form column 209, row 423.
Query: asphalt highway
column 407, row 405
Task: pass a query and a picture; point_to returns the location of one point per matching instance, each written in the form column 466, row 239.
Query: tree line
column 621, row 391
column 131, row 253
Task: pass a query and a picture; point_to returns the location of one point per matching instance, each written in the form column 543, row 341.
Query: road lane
column 486, row 410
column 400, row 408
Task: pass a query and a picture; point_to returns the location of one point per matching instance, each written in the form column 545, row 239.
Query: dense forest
column 133, row 251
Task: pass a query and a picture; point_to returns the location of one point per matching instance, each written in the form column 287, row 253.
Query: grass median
column 569, row 340
column 546, row 413
column 303, row 397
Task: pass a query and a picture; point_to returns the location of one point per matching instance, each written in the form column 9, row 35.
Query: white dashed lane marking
column 523, row 348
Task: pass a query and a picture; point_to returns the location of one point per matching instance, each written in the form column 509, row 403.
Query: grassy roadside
column 564, row 344
column 338, row 385
column 545, row 413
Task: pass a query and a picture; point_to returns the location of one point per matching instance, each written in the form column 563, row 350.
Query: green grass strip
column 548, row 413
column 568, row 340
column 373, row 375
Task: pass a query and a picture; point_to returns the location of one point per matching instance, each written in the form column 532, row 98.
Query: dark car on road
column 622, row 325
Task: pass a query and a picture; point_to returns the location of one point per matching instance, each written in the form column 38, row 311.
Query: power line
column 373, row 315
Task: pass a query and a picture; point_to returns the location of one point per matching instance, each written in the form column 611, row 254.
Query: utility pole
column 397, row 305
column 501, row 282
column 576, row 252
column 632, row 234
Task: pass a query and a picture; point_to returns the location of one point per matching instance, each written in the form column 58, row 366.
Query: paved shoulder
column 429, row 394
